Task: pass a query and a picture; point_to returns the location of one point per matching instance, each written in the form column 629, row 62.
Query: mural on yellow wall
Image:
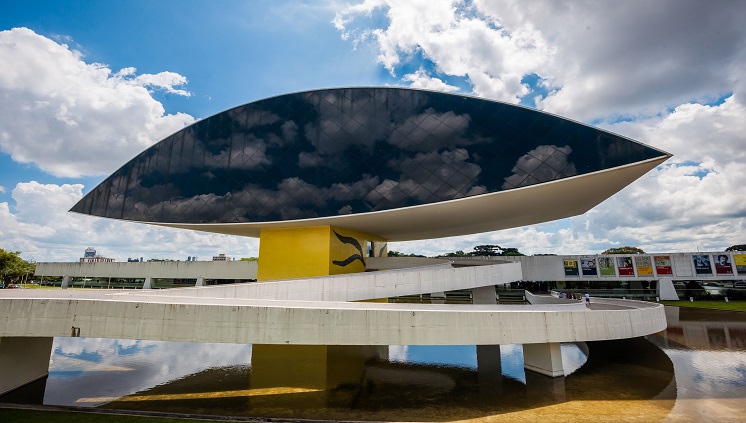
column 359, row 255
column 349, row 249
column 314, row 251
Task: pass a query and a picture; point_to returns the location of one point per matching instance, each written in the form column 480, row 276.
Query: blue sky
column 74, row 110
column 232, row 52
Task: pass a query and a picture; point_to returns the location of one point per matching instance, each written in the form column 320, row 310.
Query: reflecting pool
column 695, row 371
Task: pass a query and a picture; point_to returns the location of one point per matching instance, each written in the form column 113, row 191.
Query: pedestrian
column 587, row 298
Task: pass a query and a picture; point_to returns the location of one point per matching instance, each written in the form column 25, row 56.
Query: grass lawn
column 719, row 305
column 10, row 415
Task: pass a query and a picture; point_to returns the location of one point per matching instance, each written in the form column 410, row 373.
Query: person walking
column 587, row 299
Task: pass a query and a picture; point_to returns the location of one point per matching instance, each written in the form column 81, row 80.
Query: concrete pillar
column 545, row 359
column 438, row 297
column 23, row 360
column 200, row 281
column 65, row 281
column 489, row 365
column 484, row 295
column 541, row 389
column 666, row 291
column 324, row 250
column 148, row 283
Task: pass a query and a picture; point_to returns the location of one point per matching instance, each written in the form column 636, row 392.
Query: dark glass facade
column 348, row 151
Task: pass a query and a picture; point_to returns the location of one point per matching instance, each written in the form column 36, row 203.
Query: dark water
column 695, row 371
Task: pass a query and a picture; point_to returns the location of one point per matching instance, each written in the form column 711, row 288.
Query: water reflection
column 92, row 371
column 694, row 371
column 709, row 348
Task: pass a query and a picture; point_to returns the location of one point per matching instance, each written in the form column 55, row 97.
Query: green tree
column 624, row 250
column 512, row 252
column 249, row 258
column 398, row 254
column 739, row 247
column 487, row 250
column 12, row 266
column 494, row 250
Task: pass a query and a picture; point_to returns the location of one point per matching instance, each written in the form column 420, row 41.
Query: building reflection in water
column 610, row 380
column 708, row 351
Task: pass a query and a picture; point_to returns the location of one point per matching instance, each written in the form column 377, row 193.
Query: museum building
column 331, row 175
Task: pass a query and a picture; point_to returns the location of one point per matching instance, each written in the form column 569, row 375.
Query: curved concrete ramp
column 323, row 323
column 321, row 311
column 437, row 277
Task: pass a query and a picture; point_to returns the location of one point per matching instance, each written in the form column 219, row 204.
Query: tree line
column 13, row 267
column 487, row 250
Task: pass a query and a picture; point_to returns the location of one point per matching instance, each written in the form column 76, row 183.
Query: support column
column 666, row 290
column 541, row 389
column 65, row 281
column 148, row 283
column 23, row 360
column 545, row 359
column 200, row 281
column 438, row 297
column 489, row 365
column 311, row 251
column 484, row 295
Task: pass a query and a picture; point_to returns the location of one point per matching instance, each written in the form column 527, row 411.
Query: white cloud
column 118, row 367
column 2, row 189
column 42, row 229
column 422, row 80
column 596, row 58
column 648, row 64
column 73, row 118
column 458, row 39
column 695, row 201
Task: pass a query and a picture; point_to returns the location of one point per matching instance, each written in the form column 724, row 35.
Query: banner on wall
column 740, row 261
column 606, row 265
column 588, row 266
column 571, row 267
column 624, row 264
column 663, row 265
column 723, row 266
column 644, row 266
column 702, row 264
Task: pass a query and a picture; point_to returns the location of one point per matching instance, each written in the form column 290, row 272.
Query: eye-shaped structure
column 400, row 163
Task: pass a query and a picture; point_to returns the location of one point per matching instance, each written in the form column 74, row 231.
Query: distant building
column 89, row 256
column 221, row 257
column 96, row 259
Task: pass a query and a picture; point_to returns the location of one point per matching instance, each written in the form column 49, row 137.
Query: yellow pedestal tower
column 315, row 251
column 300, row 253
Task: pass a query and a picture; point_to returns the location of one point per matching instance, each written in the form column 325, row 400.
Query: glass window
column 352, row 150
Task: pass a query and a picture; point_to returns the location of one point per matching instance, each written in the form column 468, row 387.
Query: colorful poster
column 740, row 260
column 607, row 266
column 702, row 264
column 723, row 265
column 625, row 266
column 588, row 265
column 644, row 266
column 571, row 267
column 663, row 265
